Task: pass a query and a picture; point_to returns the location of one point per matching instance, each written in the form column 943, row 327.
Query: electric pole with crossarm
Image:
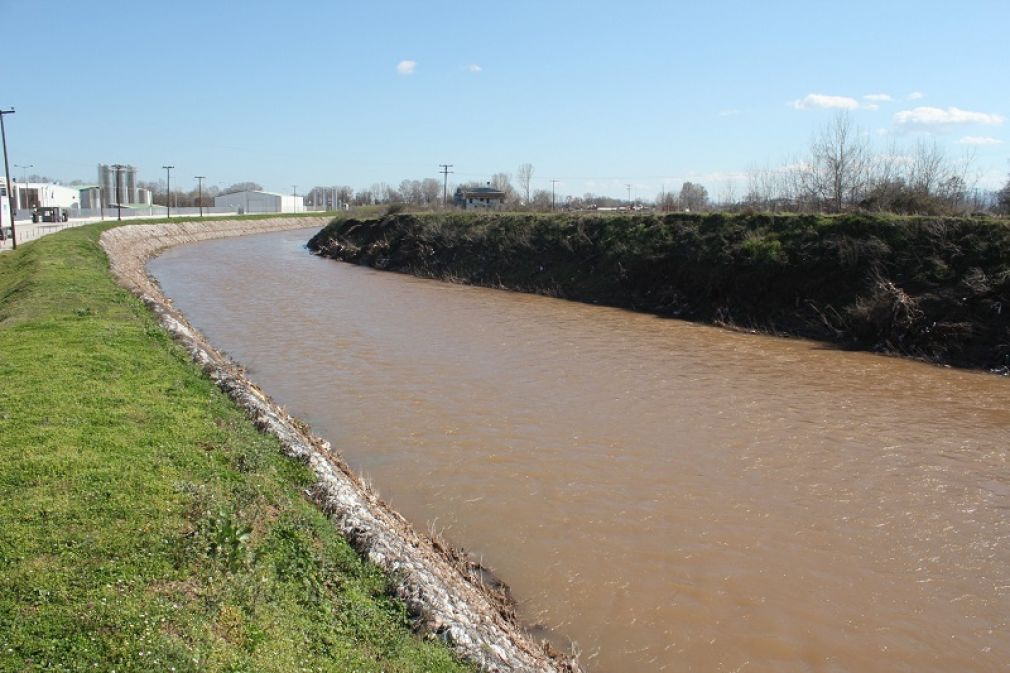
column 445, row 183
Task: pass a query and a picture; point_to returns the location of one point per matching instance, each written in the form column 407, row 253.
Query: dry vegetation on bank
column 928, row 287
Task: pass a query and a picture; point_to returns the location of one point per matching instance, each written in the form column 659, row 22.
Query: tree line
column 841, row 173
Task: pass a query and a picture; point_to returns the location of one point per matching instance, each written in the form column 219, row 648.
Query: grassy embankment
column 935, row 288
column 145, row 525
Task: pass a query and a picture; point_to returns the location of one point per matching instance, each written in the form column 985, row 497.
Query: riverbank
column 931, row 288
column 148, row 525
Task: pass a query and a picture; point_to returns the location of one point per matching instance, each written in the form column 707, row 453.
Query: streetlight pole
column 201, row 178
column 24, row 181
column 24, row 172
column 7, row 175
column 168, row 190
column 119, row 197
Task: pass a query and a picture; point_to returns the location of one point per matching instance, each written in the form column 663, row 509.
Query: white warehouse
column 260, row 202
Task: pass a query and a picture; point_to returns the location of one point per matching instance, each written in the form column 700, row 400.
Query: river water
column 666, row 495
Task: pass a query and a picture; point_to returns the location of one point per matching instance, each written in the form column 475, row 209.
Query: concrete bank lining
column 442, row 589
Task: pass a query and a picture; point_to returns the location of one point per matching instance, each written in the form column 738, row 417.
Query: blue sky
column 594, row 94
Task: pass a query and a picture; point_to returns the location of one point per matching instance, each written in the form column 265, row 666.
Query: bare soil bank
column 931, row 288
column 446, row 593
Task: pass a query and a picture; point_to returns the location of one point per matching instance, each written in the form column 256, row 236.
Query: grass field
column 145, row 525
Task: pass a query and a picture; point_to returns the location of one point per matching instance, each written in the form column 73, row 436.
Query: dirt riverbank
column 445, row 592
column 936, row 289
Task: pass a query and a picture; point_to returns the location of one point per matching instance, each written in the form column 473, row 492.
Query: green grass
column 145, row 525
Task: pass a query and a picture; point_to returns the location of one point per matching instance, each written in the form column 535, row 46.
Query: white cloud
column 474, row 68
column 878, row 97
column 406, row 67
column 979, row 140
column 870, row 106
column 817, row 100
column 916, row 95
column 926, row 117
column 729, row 113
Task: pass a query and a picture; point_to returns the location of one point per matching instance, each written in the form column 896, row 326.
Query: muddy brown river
column 667, row 496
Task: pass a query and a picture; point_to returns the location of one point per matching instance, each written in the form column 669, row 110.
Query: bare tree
column 693, row 197
column 839, row 162
column 541, row 199
column 242, row 187
column 525, row 177
column 431, row 189
column 503, row 183
column 411, row 192
column 344, row 194
column 1003, row 199
column 667, row 201
column 760, row 188
column 928, row 168
column 727, row 199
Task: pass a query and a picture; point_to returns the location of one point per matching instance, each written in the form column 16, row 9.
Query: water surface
column 669, row 496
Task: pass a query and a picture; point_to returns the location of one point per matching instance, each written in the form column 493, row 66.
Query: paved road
column 29, row 231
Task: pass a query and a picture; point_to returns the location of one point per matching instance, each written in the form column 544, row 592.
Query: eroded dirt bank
column 443, row 590
column 932, row 288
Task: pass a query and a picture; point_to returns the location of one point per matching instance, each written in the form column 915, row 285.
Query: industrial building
column 27, row 196
column 260, row 202
column 120, row 186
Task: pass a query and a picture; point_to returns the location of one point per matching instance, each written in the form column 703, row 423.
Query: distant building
column 27, row 196
column 118, row 186
column 91, row 197
column 260, row 202
column 472, row 198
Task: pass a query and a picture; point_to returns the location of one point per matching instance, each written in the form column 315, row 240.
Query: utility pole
column 553, row 182
column 168, row 189
column 7, row 174
column 629, row 196
column 119, row 197
column 445, row 183
column 201, row 179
